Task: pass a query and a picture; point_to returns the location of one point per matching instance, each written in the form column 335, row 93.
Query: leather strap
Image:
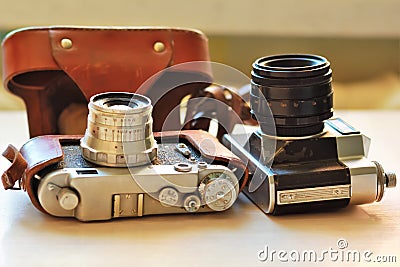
column 34, row 156
column 16, row 170
column 228, row 107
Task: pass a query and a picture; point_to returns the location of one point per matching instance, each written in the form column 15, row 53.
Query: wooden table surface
column 237, row 237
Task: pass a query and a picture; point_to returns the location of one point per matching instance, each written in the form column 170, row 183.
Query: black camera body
column 318, row 173
column 299, row 159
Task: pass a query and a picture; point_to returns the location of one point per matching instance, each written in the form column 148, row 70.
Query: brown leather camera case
column 52, row 67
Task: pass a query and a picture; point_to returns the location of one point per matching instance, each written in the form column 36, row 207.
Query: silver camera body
column 105, row 193
column 119, row 169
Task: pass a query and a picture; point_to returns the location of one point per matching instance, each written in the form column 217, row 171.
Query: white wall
column 364, row 18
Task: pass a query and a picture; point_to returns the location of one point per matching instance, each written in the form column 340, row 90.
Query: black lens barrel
column 297, row 89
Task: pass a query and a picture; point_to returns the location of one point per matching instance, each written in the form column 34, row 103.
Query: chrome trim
column 272, row 199
column 140, row 205
column 312, row 194
column 117, row 206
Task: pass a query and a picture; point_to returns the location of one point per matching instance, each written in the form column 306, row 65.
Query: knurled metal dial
column 218, row 191
column 192, row 203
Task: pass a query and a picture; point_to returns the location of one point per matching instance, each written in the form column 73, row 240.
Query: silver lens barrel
column 119, row 130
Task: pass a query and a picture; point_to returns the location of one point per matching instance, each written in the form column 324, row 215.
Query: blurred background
column 361, row 38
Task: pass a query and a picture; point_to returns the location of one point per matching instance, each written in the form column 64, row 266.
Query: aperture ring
column 298, row 91
column 120, row 120
column 118, row 134
column 292, row 108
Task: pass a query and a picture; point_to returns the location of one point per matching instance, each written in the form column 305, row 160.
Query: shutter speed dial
column 218, row 191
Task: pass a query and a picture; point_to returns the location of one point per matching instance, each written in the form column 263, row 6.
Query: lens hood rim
column 262, row 67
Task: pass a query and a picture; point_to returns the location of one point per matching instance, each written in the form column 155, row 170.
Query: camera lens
column 297, row 89
column 119, row 130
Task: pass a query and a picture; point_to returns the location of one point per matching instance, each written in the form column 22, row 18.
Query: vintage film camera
column 120, row 169
column 308, row 162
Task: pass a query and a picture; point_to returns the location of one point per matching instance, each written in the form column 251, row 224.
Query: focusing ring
column 297, row 89
column 290, row 108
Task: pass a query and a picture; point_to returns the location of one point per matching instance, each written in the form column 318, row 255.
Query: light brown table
column 232, row 238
